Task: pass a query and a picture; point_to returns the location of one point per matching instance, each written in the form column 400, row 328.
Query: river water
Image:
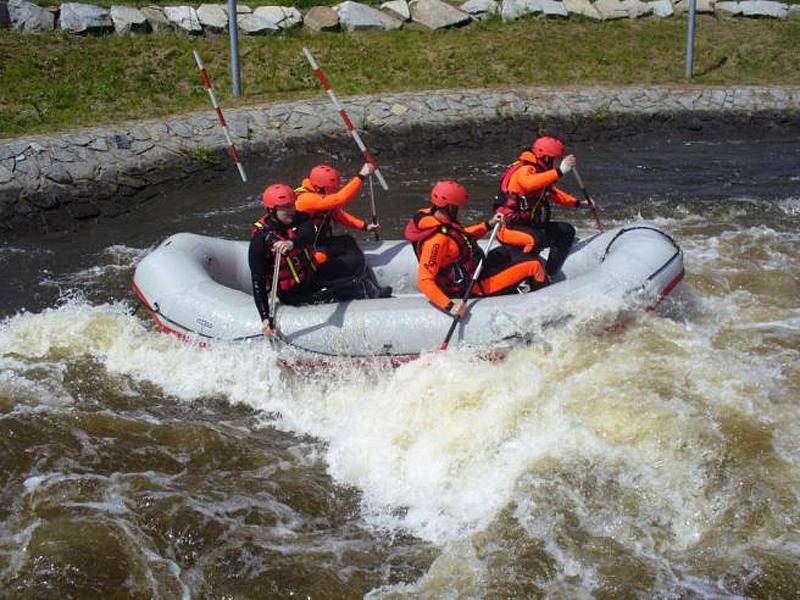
column 656, row 460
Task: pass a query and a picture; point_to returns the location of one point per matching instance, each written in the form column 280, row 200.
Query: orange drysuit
column 319, row 205
column 537, row 188
column 453, row 246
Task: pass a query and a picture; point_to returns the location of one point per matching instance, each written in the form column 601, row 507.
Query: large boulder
column 611, row 9
column 552, row 8
column 480, row 9
column 213, row 18
column 729, row 9
column 637, row 8
column 585, row 8
column 701, row 7
column 285, row 17
column 5, row 20
column 253, row 24
column 30, row 18
column 321, row 18
column 662, row 8
column 435, row 14
column 514, row 9
column 128, row 20
column 184, row 18
column 354, row 16
column 157, row 19
column 398, row 9
column 84, row 18
column 764, row 8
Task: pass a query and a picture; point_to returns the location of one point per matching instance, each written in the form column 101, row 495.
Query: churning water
column 656, row 460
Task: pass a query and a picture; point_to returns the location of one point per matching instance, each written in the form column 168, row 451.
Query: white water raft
column 199, row 287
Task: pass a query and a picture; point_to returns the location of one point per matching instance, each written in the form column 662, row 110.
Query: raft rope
column 627, row 229
column 368, row 157
column 209, row 86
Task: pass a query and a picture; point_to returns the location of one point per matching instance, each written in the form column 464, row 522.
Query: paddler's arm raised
column 529, row 180
column 431, row 255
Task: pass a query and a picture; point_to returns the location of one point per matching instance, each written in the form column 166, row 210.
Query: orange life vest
column 518, row 208
column 454, row 278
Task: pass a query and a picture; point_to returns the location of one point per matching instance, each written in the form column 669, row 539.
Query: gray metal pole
column 233, row 29
column 690, row 39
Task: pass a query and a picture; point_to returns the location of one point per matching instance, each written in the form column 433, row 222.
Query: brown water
column 656, row 461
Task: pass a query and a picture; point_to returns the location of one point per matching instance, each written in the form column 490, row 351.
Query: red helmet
column 277, row 195
column 448, row 193
column 548, row 147
column 325, row 178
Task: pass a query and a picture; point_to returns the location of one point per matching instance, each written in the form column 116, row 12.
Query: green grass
column 55, row 82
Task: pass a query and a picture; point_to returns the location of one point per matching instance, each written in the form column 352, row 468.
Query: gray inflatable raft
column 199, row 287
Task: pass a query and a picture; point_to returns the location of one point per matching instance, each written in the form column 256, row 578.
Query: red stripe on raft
column 347, row 122
column 322, row 79
column 163, row 327
column 667, row 289
column 206, row 79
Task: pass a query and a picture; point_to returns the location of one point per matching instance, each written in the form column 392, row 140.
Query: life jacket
column 323, row 221
column 516, row 207
column 454, row 278
column 298, row 265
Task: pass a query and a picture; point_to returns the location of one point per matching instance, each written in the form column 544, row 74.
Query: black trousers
column 344, row 257
column 555, row 235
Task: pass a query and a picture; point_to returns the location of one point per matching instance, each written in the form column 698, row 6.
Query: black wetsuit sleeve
column 261, row 263
column 306, row 232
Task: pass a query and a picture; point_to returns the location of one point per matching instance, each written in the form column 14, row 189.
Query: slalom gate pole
column 234, row 153
column 368, row 157
column 592, row 205
column 468, row 293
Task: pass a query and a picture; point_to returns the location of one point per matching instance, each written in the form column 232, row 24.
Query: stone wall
column 80, row 18
column 48, row 181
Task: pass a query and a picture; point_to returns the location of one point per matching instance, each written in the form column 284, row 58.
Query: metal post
column 233, row 29
column 690, row 39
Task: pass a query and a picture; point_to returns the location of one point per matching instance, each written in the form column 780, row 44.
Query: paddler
column 527, row 187
column 282, row 230
column 448, row 253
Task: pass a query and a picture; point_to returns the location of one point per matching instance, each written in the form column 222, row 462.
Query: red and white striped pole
column 210, row 89
column 345, row 117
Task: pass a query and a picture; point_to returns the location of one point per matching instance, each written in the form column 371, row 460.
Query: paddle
column 592, row 205
column 374, row 211
column 467, row 294
column 273, row 293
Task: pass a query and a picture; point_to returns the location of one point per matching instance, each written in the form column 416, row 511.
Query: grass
column 56, row 82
